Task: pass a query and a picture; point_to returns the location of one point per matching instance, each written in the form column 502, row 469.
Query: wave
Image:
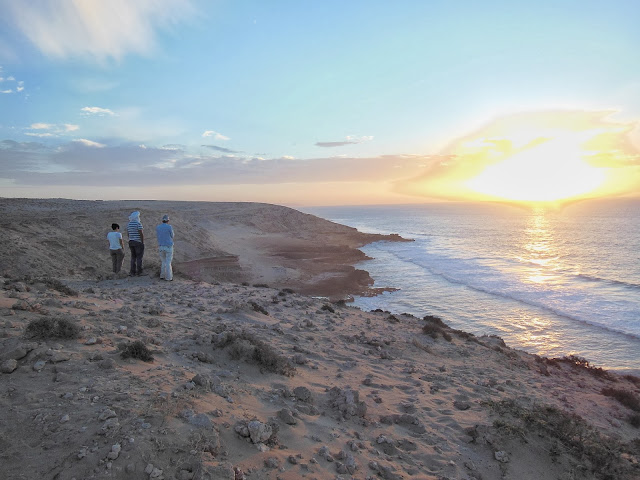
column 571, row 304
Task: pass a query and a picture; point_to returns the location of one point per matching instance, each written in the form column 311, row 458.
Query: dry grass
column 137, row 350
column 47, row 327
column 602, row 454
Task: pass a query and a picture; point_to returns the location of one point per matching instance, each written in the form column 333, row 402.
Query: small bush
column 435, row 320
column 625, row 397
column 431, row 330
column 43, row 328
column 634, row 420
column 137, row 350
column 340, row 303
column 260, row 285
column 258, row 308
column 288, row 290
column 246, row 346
column 580, row 362
column 57, row 285
column 328, row 308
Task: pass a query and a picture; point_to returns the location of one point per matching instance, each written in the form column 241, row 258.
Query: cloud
column 52, row 130
column 535, row 155
column 215, row 135
column 89, row 143
column 9, row 82
column 220, row 149
column 81, row 163
column 41, row 126
column 349, row 140
column 94, row 28
column 101, row 112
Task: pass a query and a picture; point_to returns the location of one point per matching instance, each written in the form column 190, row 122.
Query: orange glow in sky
column 536, row 157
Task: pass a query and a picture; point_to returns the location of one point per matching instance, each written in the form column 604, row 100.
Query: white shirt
column 114, row 240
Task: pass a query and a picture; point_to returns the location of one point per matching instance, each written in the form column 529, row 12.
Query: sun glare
column 545, row 170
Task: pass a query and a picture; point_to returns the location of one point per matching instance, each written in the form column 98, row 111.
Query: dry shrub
column 582, row 363
column 258, row 308
column 327, row 308
column 245, row 346
column 625, row 397
column 435, row 326
column 601, row 453
column 137, row 350
column 43, row 328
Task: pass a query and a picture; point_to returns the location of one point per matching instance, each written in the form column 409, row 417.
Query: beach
column 250, row 364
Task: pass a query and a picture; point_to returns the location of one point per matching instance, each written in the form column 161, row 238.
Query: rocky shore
column 247, row 378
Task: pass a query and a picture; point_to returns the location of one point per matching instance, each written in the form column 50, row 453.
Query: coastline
column 258, row 381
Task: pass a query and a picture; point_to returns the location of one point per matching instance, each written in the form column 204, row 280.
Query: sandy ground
column 237, row 242
column 256, row 382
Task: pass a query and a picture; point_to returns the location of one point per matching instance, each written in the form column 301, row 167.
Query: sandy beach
column 250, row 365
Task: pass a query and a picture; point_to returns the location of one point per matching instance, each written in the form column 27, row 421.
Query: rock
column 107, row 364
column 259, row 432
column 303, row 394
column 9, row 366
column 91, row 341
column 39, row 365
column 287, row 416
column 347, row 402
column 201, row 381
column 58, row 357
column 107, row 414
column 64, row 419
column 272, row 462
column 115, row 452
column 460, row 405
column 16, row 354
column 501, row 456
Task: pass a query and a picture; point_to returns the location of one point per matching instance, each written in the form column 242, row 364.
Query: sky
column 319, row 102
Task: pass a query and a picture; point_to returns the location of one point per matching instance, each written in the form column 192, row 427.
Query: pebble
column 9, row 366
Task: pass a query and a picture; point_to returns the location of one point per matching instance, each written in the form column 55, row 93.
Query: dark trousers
column 137, row 251
column 117, row 257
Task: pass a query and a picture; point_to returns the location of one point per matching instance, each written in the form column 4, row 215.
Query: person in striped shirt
column 136, row 243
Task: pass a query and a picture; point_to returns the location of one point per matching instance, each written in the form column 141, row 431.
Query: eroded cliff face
column 227, row 242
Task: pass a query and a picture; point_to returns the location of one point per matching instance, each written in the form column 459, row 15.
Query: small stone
column 91, row 341
column 9, row 366
column 39, row 365
column 115, row 452
column 501, row 456
column 64, row 419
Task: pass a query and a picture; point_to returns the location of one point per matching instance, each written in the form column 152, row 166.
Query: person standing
column 116, row 247
column 164, row 233
column 136, row 243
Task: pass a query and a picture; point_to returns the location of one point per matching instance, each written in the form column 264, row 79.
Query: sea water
column 548, row 281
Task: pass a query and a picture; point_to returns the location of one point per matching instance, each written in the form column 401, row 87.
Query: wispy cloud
column 10, row 84
column 95, row 28
column 220, row 149
column 84, row 162
column 101, row 112
column 89, row 143
column 349, row 140
column 51, row 129
column 215, row 135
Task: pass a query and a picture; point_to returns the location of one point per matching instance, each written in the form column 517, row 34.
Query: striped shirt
column 132, row 231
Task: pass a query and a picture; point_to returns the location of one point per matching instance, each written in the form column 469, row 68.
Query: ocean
column 550, row 282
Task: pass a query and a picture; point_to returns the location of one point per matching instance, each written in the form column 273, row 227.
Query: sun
column 539, row 157
column 551, row 167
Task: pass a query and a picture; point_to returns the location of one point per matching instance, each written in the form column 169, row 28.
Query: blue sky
column 295, row 102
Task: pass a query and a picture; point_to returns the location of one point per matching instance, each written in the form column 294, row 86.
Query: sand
column 261, row 382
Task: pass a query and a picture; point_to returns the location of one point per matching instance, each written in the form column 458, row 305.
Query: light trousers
column 166, row 256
